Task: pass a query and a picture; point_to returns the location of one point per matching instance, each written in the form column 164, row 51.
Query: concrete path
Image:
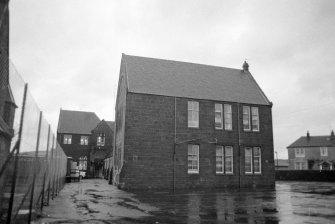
column 94, row 201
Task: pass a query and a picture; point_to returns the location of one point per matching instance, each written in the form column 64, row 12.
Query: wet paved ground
column 94, row 201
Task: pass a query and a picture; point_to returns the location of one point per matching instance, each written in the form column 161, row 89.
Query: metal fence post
column 34, row 169
column 52, row 151
column 47, row 168
column 12, row 192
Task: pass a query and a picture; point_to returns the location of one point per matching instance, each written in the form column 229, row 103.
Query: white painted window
column 67, row 139
column 218, row 116
column 323, row 151
column 228, row 117
column 253, row 160
column 83, row 163
column 299, row 165
column 83, row 140
column 193, row 158
column 246, row 118
column 224, row 159
column 255, row 118
column 101, row 139
column 193, row 114
column 299, row 152
column 257, row 160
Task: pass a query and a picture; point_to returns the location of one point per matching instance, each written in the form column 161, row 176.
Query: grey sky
column 69, row 51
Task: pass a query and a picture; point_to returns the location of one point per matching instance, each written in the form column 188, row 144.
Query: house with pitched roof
column 312, row 153
column 85, row 138
column 183, row 125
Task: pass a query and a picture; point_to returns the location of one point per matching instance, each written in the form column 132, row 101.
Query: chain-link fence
column 33, row 171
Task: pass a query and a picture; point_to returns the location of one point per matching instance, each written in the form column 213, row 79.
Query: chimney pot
column 245, row 66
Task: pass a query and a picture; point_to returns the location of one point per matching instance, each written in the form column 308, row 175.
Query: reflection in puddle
column 290, row 202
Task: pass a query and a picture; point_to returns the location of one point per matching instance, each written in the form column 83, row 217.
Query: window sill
column 224, row 174
column 193, row 173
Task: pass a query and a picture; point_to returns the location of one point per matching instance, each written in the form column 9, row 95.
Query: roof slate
column 77, row 122
column 110, row 124
column 190, row 80
column 313, row 141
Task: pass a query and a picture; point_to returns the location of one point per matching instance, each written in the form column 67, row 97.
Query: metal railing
column 33, row 171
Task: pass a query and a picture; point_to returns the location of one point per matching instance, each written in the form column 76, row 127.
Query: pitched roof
column 77, row 122
column 313, row 141
column 189, row 80
column 110, row 124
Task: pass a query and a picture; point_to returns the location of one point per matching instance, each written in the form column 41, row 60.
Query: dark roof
column 313, row 141
column 189, row 80
column 77, row 122
column 110, row 124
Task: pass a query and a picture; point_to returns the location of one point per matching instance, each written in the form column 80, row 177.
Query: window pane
column 246, row 118
column 193, row 114
column 193, row 158
column 228, row 116
column 218, row 116
column 229, row 159
column 219, row 159
column 255, row 118
column 248, row 160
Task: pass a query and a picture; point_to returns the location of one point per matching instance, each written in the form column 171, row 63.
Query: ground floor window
column 300, row 165
column 224, row 159
column 83, row 163
column 193, row 159
column 252, row 160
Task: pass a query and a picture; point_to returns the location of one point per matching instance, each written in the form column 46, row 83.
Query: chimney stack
column 308, row 136
column 245, row 67
column 332, row 136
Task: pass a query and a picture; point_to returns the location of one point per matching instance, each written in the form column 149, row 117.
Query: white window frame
column 101, row 140
column 255, row 118
column 299, row 152
column 246, row 118
column 218, row 110
column 228, row 117
column 229, row 156
column 221, row 150
column 254, row 159
column 83, row 162
column 299, row 165
column 190, row 148
column 193, row 114
column 323, row 151
column 67, row 139
column 83, row 140
column 251, row 161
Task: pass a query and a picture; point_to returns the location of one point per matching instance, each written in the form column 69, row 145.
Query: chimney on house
column 308, row 136
column 332, row 136
column 245, row 66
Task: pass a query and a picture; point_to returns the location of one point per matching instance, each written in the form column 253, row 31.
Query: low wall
column 306, row 175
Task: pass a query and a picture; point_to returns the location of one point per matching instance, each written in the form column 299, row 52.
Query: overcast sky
column 69, row 51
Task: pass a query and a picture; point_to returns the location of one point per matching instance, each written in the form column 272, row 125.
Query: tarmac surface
column 95, row 201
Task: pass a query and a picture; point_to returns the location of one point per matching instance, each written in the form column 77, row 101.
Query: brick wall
column 149, row 145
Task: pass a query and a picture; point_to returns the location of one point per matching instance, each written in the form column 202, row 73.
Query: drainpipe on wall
column 239, row 145
column 174, row 144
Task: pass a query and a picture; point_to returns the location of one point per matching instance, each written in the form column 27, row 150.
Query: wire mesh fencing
column 33, row 169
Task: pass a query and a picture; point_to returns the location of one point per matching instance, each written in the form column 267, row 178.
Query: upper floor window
column 67, row 139
column 224, row 159
column 193, row 159
column 83, row 140
column 323, row 151
column 218, row 116
column 252, row 160
column 299, row 152
column 228, row 118
column 250, row 120
column 101, row 140
column 193, row 114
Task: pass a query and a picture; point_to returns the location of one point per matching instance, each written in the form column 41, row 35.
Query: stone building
column 185, row 125
column 312, row 153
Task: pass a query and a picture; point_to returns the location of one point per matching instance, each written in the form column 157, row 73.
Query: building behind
column 85, row 138
column 312, row 153
column 184, row 125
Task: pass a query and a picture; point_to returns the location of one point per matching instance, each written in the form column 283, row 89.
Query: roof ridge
column 186, row 62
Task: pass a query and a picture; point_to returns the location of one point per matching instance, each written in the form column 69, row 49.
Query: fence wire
column 33, row 168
